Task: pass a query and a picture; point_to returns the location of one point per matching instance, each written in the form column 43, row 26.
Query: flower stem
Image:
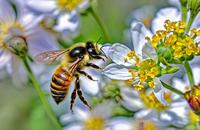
column 189, row 24
column 184, row 9
column 189, row 73
column 41, row 94
column 100, row 23
column 172, row 89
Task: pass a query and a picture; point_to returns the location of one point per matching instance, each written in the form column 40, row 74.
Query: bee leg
column 80, row 93
column 87, row 75
column 93, row 66
column 73, row 97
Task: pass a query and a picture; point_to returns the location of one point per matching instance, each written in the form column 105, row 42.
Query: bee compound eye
column 78, row 52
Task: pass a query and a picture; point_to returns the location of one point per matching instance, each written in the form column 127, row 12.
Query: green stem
column 172, row 89
column 41, row 94
column 189, row 24
column 184, row 13
column 189, row 73
column 100, row 23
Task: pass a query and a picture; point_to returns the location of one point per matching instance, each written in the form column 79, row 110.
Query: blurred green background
column 20, row 108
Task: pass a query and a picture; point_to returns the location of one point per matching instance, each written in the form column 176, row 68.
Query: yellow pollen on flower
column 151, row 84
column 180, row 45
column 195, row 31
column 94, row 123
column 5, row 30
column 138, row 87
column 131, row 56
column 68, row 5
column 193, row 117
column 151, row 102
column 144, row 125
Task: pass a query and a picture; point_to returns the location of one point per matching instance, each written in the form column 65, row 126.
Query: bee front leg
column 80, row 93
column 93, row 66
column 73, row 97
column 86, row 74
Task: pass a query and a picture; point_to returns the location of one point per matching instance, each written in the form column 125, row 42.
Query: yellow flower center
column 146, row 71
column 94, row 123
column 8, row 29
column 151, row 102
column 131, row 56
column 68, row 5
column 173, row 37
column 144, row 125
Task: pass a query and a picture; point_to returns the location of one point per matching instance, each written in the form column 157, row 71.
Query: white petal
column 171, row 13
column 42, row 6
column 81, row 113
column 117, row 72
column 4, row 58
column 40, row 41
column 145, row 114
column 67, row 118
column 83, row 5
column 131, row 99
column 120, row 123
column 105, row 48
column 68, row 22
column 6, row 12
column 89, row 86
column 159, row 91
column 196, row 75
column 175, row 2
column 149, row 52
column 139, row 32
column 118, row 52
column 74, row 126
column 179, row 84
column 30, row 21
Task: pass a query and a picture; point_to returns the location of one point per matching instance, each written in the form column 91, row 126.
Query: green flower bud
column 17, row 46
column 194, row 6
column 164, row 54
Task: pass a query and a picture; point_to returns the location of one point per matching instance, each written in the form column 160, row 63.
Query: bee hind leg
column 86, row 74
column 80, row 94
column 73, row 97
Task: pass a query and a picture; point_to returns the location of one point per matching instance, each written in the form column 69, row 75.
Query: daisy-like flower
column 123, row 123
column 144, row 14
column 97, row 119
column 20, row 34
column 139, row 67
column 61, row 15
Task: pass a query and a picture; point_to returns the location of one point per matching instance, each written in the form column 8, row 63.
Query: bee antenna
column 99, row 39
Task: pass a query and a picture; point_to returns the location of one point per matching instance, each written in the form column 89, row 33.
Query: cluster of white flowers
column 152, row 84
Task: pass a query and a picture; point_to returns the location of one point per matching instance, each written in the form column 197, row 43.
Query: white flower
column 144, row 14
column 84, row 119
column 25, row 26
column 172, row 14
column 62, row 11
column 119, row 70
column 124, row 123
column 183, row 84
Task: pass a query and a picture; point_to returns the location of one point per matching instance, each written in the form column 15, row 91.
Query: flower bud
column 17, row 46
column 194, row 6
column 193, row 98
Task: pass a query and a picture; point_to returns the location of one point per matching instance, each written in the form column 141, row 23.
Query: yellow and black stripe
column 60, row 84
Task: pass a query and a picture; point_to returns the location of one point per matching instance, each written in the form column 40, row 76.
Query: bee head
column 94, row 51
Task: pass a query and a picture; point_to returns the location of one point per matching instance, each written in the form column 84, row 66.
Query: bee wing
column 49, row 57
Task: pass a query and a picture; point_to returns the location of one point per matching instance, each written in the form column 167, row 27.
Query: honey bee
column 74, row 59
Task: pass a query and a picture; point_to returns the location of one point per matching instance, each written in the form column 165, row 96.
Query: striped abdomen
column 60, row 84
